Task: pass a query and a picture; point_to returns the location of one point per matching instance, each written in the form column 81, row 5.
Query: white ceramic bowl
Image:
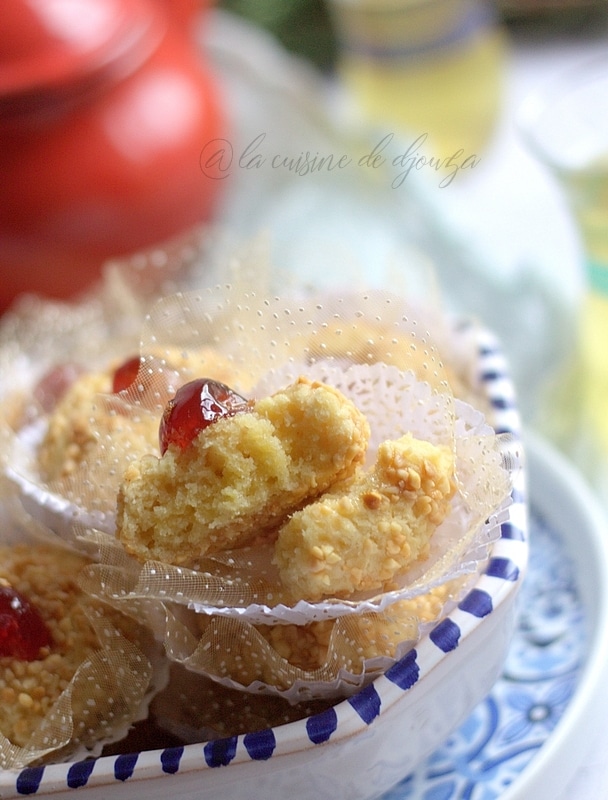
column 364, row 745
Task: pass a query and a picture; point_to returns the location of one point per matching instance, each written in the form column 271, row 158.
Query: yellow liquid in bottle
column 588, row 191
column 453, row 95
column 575, row 414
column 419, row 67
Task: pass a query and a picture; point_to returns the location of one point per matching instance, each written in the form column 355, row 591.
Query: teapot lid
column 46, row 43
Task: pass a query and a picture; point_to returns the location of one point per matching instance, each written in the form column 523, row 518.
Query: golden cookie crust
column 47, row 577
column 241, row 476
column 82, row 422
column 364, row 532
column 85, row 421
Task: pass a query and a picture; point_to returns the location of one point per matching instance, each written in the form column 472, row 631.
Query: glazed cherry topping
column 22, row 630
column 197, row 405
column 125, row 374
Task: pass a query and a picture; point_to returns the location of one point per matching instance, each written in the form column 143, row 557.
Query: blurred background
column 395, row 143
column 305, row 27
column 454, row 152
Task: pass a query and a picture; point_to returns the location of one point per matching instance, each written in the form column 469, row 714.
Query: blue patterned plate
column 526, row 738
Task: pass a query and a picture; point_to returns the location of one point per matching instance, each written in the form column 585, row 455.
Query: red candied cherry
column 156, row 385
column 197, row 405
column 125, row 374
column 23, row 632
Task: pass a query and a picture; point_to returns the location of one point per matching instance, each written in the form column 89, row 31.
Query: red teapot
column 105, row 107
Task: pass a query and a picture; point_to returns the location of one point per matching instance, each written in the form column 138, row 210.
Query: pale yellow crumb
column 241, row 476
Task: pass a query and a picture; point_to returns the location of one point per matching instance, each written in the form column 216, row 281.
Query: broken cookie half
column 241, row 477
column 365, row 531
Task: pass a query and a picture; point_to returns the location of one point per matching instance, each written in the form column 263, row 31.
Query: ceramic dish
column 528, row 737
column 390, row 726
column 568, row 506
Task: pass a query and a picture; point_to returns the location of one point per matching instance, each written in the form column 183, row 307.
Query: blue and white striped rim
column 505, row 568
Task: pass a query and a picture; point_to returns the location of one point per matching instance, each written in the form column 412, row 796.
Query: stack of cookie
column 290, row 494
